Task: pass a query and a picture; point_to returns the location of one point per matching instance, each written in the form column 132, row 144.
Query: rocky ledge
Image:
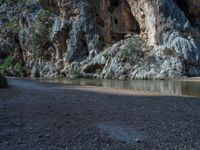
column 115, row 39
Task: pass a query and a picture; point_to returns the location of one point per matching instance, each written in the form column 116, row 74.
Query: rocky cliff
column 117, row 39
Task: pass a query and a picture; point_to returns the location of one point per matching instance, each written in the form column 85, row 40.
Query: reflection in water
column 166, row 87
column 191, row 88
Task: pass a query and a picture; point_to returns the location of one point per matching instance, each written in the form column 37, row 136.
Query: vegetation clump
column 6, row 65
column 11, row 67
column 169, row 52
column 40, row 37
column 75, row 73
column 40, row 33
column 131, row 50
column 106, row 53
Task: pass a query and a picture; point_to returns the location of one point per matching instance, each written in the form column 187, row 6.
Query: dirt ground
column 47, row 116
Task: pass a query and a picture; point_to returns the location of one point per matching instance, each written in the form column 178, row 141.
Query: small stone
column 47, row 136
column 48, row 129
column 19, row 124
column 19, row 141
column 138, row 141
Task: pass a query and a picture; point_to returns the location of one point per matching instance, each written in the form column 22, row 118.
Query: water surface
column 169, row 87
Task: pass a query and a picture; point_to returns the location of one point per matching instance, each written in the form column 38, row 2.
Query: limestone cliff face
column 108, row 38
column 89, row 25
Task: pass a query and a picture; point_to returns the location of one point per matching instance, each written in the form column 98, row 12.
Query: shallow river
column 169, row 87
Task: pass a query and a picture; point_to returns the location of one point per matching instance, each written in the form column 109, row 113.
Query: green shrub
column 8, row 62
column 75, row 73
column 166, row 29
column 43, row 16
column 18, row 68
column 10, row 66
column 125, row 54
column 40, row 36
column 106, row 54
column 3, row 81
column 131, row 50
column 12, row 24
column 169, row 52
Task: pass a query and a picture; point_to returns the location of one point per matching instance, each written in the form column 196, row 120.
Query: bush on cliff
column 11, row 67
column 39, row 38
column 6, row 65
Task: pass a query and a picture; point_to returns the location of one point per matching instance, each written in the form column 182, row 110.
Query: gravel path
column 47, row 116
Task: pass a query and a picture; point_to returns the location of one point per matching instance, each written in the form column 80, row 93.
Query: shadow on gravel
column 37, row 115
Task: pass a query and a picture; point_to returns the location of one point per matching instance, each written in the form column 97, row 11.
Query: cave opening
column 114, row 3
column 82, row 46
column 116, row 21
column 122, row 20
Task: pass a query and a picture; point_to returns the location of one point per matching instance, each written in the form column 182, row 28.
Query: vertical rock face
column 117, row 19
column 153, row 15
column 87, row 25
column 108, row 38
column 145, row 12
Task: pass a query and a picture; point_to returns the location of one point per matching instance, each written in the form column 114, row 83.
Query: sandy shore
column 192, row 79
column 47, row 116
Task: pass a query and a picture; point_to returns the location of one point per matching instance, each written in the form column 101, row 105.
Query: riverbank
column 48, row 116
column 192, row 79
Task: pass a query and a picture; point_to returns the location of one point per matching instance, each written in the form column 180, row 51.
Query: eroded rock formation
column 90, row 24
column 109, row 38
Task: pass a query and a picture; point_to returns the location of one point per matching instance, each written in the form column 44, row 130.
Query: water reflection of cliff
column 166, row 87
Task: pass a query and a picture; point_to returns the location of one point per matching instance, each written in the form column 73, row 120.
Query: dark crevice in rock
column 93, row 68
column 122, row 20
column 82, row 50
column 190, row 11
